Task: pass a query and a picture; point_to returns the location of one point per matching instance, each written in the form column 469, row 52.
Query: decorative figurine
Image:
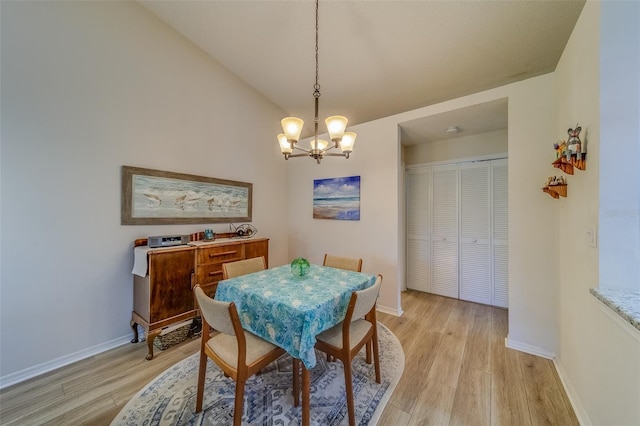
column 554, row 181
column 574, row 143
column 560, row 148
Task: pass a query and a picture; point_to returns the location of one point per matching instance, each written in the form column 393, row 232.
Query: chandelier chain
column 316, row 93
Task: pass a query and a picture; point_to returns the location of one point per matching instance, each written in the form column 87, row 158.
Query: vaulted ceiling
column 378, row 58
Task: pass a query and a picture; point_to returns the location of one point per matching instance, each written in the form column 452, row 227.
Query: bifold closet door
column 444, row 230
column 500, row 232
column 457, row 231
column 475, row 232
column 418, row 230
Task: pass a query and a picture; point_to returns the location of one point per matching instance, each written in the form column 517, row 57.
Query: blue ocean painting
column 337, row 198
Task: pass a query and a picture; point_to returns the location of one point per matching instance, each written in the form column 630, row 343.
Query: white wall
column 86, row 88
column 477, row 145
column 531, row 218
column 596, row 86
column 374, row 237
column 377, row 239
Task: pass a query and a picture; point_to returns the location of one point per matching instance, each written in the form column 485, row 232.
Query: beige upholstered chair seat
column 357, row 331
column 226, row 347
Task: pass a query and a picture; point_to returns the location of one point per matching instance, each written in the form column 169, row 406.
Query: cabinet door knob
column 475, row 241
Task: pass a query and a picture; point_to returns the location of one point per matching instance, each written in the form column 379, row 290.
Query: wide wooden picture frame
column 152, row 197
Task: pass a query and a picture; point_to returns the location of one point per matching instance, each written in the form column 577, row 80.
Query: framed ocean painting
column 160, row 197
column 337, row 198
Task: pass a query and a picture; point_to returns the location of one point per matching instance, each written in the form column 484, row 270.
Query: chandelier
column 336, row 126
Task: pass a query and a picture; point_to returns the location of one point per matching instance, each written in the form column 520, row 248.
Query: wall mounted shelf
column 556, row 191
column 567, row 166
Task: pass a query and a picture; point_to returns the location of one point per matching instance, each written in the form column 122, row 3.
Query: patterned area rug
column 170, row 398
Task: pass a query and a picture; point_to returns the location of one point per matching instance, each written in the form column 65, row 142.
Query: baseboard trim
column 530, row 349
column 385, row 310
column 45, row 367
column 574, row 399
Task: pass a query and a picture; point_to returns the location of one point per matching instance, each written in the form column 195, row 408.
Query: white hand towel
column 140, row 261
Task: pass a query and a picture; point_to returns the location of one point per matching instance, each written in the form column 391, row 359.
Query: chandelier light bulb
column 348, row 139
column 336, row 126
column 285, row 145
column 292, row 127
column 322, row 144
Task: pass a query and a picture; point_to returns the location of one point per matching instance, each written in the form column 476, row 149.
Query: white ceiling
column 379, row 58
column 479, row 118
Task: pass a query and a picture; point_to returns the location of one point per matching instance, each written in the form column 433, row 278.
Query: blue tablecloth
column 289, row 311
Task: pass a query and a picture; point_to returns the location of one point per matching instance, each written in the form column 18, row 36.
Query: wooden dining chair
column 243, row 267
column 237, row 352
column 347, row 263
column 344, row 340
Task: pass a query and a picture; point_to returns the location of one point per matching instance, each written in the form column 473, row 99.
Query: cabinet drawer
column 220, row 254
column 209, row 273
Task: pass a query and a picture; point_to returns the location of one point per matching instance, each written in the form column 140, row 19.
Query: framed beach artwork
column 337, row 198
column 151, row 197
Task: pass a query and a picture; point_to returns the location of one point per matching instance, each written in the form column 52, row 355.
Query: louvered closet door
column 418, row 221
column 444, row 230
column 500, row 232
column 475, row 233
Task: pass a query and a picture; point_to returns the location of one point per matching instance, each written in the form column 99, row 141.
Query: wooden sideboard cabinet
column 165, row 295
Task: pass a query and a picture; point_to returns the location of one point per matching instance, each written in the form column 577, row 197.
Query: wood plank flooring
column 457, row 372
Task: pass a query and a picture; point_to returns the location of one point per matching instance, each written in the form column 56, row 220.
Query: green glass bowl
column 300, row 266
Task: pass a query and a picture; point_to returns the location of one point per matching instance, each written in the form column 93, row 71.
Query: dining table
column 289, row 310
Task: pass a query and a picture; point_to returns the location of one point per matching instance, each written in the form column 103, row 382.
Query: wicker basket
column 172, row 337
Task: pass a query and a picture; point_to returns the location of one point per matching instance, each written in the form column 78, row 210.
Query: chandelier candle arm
column 336, row 126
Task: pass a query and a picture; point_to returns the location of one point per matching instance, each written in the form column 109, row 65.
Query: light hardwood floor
column 457, row 372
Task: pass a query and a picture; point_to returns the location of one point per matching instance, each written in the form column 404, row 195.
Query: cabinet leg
column 134, row 326
column 151, row 336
